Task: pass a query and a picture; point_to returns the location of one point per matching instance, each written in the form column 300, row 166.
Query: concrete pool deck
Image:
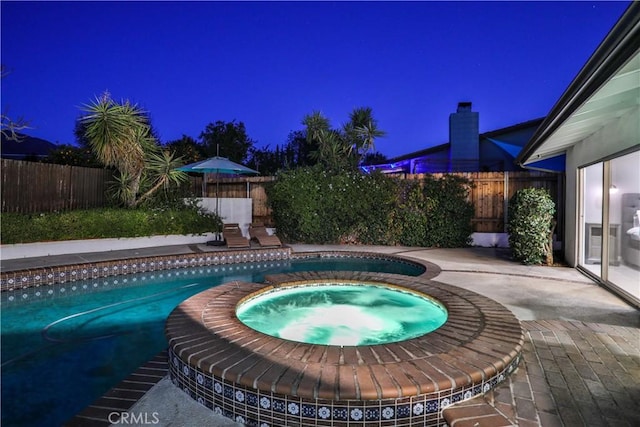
column 581, row 352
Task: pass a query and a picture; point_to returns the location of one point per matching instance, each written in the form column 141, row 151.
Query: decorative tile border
column 52, row 282
column 266, row 409
column 14, row 280
column 431, row 269
column 87, row 286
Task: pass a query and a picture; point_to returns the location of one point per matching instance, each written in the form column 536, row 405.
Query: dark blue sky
column 270, row 63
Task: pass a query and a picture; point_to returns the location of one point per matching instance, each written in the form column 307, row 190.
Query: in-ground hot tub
column 341, row 314
column 262, row 380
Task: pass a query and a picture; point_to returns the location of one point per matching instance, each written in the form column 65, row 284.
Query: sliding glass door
column 624, row 219
column 609, row 225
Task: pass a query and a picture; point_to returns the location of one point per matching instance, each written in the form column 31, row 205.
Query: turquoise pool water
column 342, row 314
column 65, row 347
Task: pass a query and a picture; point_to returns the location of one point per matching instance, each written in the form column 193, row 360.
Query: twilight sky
column 270, row 63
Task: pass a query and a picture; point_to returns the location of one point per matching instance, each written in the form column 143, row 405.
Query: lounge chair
column 233, row 237
column 259, row 232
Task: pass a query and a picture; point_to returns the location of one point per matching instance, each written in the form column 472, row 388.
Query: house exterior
column 467, row 149
column 595, row 125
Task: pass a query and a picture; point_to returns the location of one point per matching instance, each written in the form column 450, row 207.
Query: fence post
column 505, row 209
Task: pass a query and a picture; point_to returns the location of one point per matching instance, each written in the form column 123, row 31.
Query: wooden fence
column 241, row 187
column 30, row 187
column 39, row 187
column 490, row 193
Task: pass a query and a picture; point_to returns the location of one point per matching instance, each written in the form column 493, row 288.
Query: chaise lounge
column 233, row 237
column 259, row 233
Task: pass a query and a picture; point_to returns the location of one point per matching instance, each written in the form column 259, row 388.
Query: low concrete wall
column 231, row 210
column 490, row 240
column 30, row 250
column 501, row 240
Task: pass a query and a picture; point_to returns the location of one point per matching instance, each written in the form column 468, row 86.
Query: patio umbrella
column 217, row 165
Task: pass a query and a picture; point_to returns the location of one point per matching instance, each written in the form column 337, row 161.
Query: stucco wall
column 38, row 249
column 231, row 210
column 616, row 136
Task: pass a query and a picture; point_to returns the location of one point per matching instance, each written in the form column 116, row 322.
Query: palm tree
column 120, row 136
column 346, row 146
column 315, row 124
column 332, row 149
column 362, row 130
column 161, row 169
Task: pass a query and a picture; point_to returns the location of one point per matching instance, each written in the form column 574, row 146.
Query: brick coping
column 225, row 365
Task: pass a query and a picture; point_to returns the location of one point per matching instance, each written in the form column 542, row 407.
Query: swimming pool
column 65, row 345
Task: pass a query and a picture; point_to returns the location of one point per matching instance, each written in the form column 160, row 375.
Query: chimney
column 464, row 152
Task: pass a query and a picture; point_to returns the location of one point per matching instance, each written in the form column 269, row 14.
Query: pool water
column 65, row 348
column 342, row 314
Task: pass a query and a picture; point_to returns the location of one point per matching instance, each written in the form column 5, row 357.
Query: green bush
column 312, row 205
column 295, row 199
column 434, row 212
column 106, row 223
column 530, row 226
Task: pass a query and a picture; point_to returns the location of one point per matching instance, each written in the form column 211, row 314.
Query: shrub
column 296, row 199
column 312, row 205
column 434, row 212
column 106, row 223
column 409, row 216
column 530, row 226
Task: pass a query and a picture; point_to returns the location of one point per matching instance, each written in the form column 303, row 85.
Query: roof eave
column 620, row 44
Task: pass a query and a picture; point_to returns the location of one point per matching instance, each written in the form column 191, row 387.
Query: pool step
column 107, row 410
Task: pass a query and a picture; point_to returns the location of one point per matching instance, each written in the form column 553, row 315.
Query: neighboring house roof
column 514, row 128
column 510, row 149
column 607, row 87
column 26, row 147
column 487, row 135
column 421, row 153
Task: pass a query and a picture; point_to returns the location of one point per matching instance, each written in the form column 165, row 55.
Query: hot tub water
column 342, row 314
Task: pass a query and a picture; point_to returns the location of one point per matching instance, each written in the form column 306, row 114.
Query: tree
column 187, row 148
column 227, row 139
column 80, row 132
column 162, row 173
column 345, row 147
column 73, row 156
column 332, row 148
column 11, row 128
column 120, row 135
column 362, row 131
column 374, row 158
column 266, row 161
column 298, row 149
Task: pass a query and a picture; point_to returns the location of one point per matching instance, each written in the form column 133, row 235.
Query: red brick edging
column 254, row 378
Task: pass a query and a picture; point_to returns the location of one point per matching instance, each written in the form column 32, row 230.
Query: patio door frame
column 605, row 225
column 604, row 221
